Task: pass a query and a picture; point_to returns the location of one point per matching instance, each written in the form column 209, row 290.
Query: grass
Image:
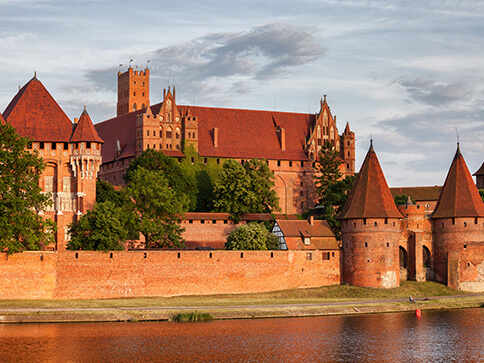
column 295, row 296
column 192, row 317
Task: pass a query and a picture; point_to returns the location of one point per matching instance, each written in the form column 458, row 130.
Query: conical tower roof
column 36, row 115
column 459, row 196
column 85, row 130
column 370, row 196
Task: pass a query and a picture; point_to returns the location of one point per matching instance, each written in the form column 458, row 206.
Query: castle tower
column 370, row 226
column 85, row 161
column 133, row 90
column 347, row 150
column 458, row 221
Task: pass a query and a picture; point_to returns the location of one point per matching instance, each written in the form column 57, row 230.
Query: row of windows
column 325, row 256
column 56, row 145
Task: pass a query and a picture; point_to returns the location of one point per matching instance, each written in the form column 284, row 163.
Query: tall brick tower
column 458, row 223
column 370, row 225
column 347, row 150
column 133, row 90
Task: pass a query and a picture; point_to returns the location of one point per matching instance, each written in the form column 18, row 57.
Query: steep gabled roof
column 322, row 238
column 84, row 130
column 241, row 133
column 459, row 196
column 419, row 194
column 370, row 196
column 36, row 115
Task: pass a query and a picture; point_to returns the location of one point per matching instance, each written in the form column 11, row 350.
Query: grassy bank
column 342, row 299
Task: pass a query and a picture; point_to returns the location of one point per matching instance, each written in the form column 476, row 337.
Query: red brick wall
column 210, row 233
column 96, row 275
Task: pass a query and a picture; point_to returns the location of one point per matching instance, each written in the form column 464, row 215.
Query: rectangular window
column 325, row 255
column 309, row 256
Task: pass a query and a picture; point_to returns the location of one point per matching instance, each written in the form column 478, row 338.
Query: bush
column 252, row 236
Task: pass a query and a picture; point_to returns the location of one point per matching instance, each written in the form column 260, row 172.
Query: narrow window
column 309, row 256
column 77, row 255
column 145, row 255
column 290, row 164
column 332, row 254
column 465, row 245
column 42, row 257
column 364, row 221
column 376, row 224
column 388, row 244
column 178, row 255
column 210, row 254
column 272, row 254
column 278, row 163
column 111, row 255
column 465, row 224
column 366, row 244
column 241, row 254
column 302, row 164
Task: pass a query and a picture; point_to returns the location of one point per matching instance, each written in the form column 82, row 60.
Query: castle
column 290, row 142
column 382, row 244
column 71, row 152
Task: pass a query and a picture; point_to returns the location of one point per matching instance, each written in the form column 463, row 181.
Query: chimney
column 283, row 139
column 215, row 136
column 76, row 120
column 311, row 220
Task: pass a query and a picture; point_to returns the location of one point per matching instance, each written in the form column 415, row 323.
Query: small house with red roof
column 289, row 141
column 71, row 152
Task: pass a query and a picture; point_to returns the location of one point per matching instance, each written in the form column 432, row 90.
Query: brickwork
column 98, row 275
column 370, row 252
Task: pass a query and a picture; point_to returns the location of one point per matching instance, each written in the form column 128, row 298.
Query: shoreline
column 12, row 315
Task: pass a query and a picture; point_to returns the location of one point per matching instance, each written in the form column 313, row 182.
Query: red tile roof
column 84, row 130
column 241, row 133
column 322, row 238
column 480, row 171
column 419, row 194
column 459, row 196
column 370, row 196
column 36, row 115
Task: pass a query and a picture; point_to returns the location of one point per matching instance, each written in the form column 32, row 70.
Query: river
column 438, row 336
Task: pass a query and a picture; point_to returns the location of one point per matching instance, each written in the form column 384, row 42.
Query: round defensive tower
column 458, row 221
column 371, row 229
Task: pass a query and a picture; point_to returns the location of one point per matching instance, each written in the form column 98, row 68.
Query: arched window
column 425, row 256
column 403, row 257
column 169, row 133
column 134, row 106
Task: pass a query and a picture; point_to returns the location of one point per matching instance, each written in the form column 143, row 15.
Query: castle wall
column 99, row 275
column 471, row 267
column 371, row 254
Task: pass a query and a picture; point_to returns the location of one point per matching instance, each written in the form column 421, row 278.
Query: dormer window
column 307, row 240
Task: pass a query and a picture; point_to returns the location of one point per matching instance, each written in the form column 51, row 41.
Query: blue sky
column 407, row 73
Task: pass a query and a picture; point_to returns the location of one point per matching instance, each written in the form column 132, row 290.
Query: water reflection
column 435, row 337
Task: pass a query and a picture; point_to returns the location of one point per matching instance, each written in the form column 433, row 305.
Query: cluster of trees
column 21, row 228
column 160, row 190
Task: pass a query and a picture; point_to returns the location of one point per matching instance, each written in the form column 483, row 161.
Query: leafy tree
column 245, row 189
column 251, row 236
column 100, row 229
column 181, row 181
column 333, row 201
column 106, row 192
column 327, row 168
column 21, row 228
column 158, row 207
column 481, row 193
column 402, row 199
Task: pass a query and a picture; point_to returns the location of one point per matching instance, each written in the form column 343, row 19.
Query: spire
column 459, row 196
column 85, row 130
column 347, row 129
column 370, row 196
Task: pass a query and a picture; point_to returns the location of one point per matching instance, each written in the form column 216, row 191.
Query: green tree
column 21, row 228
column 402, row 199
column 251, row 236
column 158, row 207
column 327, row 168
column 481, row 193
column 179, row 180
column 245, row 189
column 100, row 229
column 106, row 192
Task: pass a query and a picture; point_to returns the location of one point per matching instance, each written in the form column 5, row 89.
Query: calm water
column 453, row 336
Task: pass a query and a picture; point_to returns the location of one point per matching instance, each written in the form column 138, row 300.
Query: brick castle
column 435, row 238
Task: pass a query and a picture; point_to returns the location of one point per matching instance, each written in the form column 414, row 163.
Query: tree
column 158, row 207
column 251, row 236
column 402, row 199
column 327, row 168
column 21, row 198
column 100, row 229
column 333, row 201
column 182, row 182
column 245, row 189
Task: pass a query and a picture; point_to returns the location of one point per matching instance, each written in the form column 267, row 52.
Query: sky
column 407, row 74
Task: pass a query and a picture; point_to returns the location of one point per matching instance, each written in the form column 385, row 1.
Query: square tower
column 133, row 90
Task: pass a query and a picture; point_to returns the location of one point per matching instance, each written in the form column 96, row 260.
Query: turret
column 370, row 226
column 347, row 151
column 458, row 221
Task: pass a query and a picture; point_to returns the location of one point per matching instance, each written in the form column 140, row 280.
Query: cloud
column 428, row 92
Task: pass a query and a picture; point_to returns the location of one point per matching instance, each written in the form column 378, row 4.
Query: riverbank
column 331, row 300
